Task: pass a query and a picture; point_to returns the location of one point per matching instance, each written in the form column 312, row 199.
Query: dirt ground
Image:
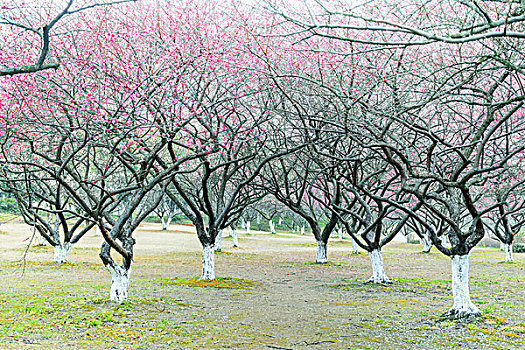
column 273, row 297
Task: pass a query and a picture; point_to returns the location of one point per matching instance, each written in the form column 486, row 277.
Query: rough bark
column 165, row 223
column 208, row 262
column 355, row 247
column 234, row 238
column 119, row 283
column 444, row 241
column 463, row 306
column 218, row 242
column 427, row 244
column 61, row 255
column 321, row 257
column 272, row 227
column 508, row 252
column 42, row 240
column 378, row 270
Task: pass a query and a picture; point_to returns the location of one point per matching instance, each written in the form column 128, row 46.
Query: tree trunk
column 378, row 270
column 302, row 230
column 119, row 283
column 98, row 233
column 340, row 233
column 508, row 252
column 165, row 223
column 62, row 252
column 218, row 242
column 444, row 241
column 229, row 231
column 463, row 306
column 280, row 221
column 234, row 237
column 208, row 263
column 321, row 257
column 355, row 247
column 248, row 228
column 42, row 240
column 427, row 243
column 272, row 227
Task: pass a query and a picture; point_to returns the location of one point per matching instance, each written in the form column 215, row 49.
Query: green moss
column 219, row 282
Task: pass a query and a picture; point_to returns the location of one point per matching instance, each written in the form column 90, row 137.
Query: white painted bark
column 229, row 231
column 62, row 253
column 463, row 306
column 165, row 223
column 427, row 244
column 501, row 246
column 42, row 240
column 248, row 228
column 243, row 224
column 208, row 263
column 302, row 230
column 280, row 221
column 378, row 269
column 98, row 232
column 234, row 238
column 340, row 233
column 272, row 227
column 444, row 241
column 119, row 283
column 321, row 257
column 508, row 252
column 218, row 242
column 355, row 247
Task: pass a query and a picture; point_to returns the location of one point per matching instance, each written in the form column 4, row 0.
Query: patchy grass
column 43, row 318
column 218, row 282
column 280, row 298
column 4, row 218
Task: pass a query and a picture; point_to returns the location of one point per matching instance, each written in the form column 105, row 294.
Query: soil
column 274, row 296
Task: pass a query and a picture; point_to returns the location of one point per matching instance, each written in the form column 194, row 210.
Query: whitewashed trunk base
column 234, row 238
column 248, row 228
column 355, row 247
column 208, row 263
column 463, row 306
column 218, row 242
column 378, row 270
column 508, row 253
column 272, row 227
column 61, row 255
column 340, row 234
column 119, row 283
column 165, row 223
column 302, row 230
column 321, row 257
column 427, row 244
column 444, row 241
